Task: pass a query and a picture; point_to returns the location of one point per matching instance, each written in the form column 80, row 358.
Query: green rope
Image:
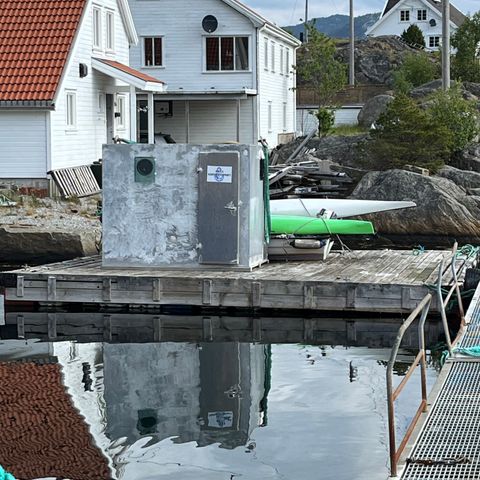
column 469, row 351
column 468, row 251
column 5, row 475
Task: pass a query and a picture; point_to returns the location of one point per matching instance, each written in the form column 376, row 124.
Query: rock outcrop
column 462, row 178
column 376, row 58
column 467, row 159
column 372, row 110
column 444, row 210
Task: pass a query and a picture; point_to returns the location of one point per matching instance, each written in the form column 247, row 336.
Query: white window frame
column 110, row 30
column 266, row 44
column 435, row 39
column 287, row 62
column 284, row 116
column 100, row 102
column 249, row 69
column 270, row 117
column 71, row 110
column 121, row 107
column 97, row 27
column 423, row 13
column 153, row 51
column 406, row 16
column 282, row 60
column 272, row 52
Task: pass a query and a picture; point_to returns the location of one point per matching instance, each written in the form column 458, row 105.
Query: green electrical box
column 145, row 169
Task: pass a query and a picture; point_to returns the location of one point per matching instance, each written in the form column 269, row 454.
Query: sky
column 289, row 12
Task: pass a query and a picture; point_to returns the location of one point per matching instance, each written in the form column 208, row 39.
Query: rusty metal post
column 457, row 286
column 441, row 305
column 421, row 346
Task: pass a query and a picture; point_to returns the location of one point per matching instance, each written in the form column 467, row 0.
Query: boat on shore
column 343, row 208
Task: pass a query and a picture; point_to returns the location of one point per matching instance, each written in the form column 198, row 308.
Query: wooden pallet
column 75, row 181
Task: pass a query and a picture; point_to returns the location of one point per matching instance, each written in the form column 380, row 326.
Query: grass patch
column 348, row 130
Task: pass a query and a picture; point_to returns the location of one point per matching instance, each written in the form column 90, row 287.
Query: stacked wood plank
column 310, row 178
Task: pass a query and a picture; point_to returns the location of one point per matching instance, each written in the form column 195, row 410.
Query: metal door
column 218, row 215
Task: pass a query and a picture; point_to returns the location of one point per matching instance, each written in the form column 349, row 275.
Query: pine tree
column 414, row 36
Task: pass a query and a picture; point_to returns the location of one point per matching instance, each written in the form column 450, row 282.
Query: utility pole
column 446, row 45
column 351, row 75
column 306, row 21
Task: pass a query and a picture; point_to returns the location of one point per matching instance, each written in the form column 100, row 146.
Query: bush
column 456, row 114
column 466, row 40
column 416, row 70
column 406, row 134
column 326, row 120
column 414, row 36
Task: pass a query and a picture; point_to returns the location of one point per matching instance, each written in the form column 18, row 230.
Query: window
column 287, row 62
column 101, row 102
column 269, row 116
column 281, row 61
column 226, row 54
column 71, row 110
column 284, row 116
column 110, row 30
column 152, row 52
column 273, row 57
column 404, row 15
column 266, row 53
column 434, row 42
column 120, row 112
column 421, row 15
column 97, row 28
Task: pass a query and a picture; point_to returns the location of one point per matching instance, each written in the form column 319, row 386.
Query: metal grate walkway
column 448, row 447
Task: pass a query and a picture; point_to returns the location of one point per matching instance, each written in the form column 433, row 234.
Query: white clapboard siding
column 276, row 87
column 211, row 121
column 179, row 22
column 23, row 144
column 84, row 144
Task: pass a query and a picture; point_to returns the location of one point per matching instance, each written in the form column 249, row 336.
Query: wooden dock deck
column 363, row 280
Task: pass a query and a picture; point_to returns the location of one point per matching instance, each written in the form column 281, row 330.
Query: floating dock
column 389, row 281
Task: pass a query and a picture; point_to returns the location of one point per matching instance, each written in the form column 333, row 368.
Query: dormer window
column 404, row 15
column 226, row 54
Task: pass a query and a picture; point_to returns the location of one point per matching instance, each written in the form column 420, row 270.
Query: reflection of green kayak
column 289, row 224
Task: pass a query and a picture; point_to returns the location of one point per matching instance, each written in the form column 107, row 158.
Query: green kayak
column 289, row 224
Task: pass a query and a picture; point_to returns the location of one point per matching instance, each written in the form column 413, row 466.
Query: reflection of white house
column 65, row 83
column 228, row 70
column 398, row 15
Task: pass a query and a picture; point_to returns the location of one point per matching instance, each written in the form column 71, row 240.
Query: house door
column 218, row 215
column 110, row 114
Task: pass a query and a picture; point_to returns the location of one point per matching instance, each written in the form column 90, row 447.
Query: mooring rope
column 5, row 475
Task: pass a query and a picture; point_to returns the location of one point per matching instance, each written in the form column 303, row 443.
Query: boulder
column 473, row 88
column 372, row 110
column 467, row 159
column 426, row 89
column 34, row 245
column 444, row 211
column 462, row 178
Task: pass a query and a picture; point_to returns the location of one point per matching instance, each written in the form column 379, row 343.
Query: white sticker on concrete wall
column 219, row 174
column 220, row 419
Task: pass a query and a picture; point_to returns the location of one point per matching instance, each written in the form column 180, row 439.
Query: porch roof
column 128, row 75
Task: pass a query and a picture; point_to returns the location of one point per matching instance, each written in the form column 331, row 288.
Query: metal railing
column 422, row 309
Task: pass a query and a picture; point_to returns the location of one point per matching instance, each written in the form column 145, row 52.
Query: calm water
column 232, row 410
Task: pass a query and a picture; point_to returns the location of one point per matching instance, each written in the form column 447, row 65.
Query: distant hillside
column 338, row 26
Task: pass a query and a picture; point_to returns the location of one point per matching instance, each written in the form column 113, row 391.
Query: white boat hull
column 285, row 249
column 342, row 208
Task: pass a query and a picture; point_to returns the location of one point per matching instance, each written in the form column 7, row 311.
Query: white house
column 65, row 84
column 398, row 15
column 228, row 70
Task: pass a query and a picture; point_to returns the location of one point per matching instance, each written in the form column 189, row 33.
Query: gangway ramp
column 448, row 444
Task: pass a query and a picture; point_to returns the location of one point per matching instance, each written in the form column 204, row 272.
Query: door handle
column 231, row 207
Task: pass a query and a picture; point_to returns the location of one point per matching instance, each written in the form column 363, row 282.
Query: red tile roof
column 42, row 434
column 35, row 39
column 130, row 71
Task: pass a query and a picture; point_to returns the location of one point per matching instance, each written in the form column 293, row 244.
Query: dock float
column 446, row 442
column 389, row 281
